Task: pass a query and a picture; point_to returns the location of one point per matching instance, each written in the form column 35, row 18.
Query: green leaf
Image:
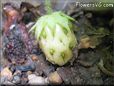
column 68, row 17
column 62, row 21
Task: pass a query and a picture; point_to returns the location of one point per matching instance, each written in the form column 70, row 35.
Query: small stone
column 36, row 80
column 6, row 73
column 28, row 67
column 31, row 76
column 55, row 78
column 29, row 72
column 16, row 79
column 34, row 57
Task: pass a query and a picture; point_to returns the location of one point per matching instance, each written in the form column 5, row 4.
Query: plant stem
column 48, row 6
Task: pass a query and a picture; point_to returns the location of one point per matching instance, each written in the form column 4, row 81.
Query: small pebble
column 54, row 78
column 6, row 73
column 29, row 72
column 24, row 68
column 34, row 57
column 36, row 80
column 16, row 79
